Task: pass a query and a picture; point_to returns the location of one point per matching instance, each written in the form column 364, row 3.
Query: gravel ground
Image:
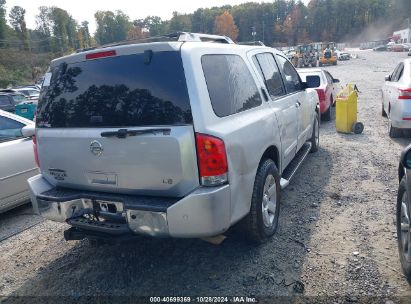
column 336, row 241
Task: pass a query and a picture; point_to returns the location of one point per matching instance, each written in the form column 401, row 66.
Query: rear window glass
column 230, row 84
column 117, row 92
column 304, row 76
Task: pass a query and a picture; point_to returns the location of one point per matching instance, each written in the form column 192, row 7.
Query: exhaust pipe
column 73, row 234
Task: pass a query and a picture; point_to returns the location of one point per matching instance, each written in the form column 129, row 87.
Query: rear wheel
column 315, row 136
column 262, row 221
column 328, row 114
column 383, row 111
column 403, row 229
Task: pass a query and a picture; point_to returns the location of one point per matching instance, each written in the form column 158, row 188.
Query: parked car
column 399, row 48
column 396, row 95
column 327, row 90
column 9, row 99
column 403, row 212
column 178, row 138
column 380, row 48
column 342, row 56
column 17, row 160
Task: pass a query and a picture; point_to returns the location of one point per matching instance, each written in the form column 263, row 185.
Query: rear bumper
column 203, row 212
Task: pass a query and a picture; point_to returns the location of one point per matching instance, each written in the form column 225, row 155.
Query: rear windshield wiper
column 123, row 133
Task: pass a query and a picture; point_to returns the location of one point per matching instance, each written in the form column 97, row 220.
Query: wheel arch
column 272, row 153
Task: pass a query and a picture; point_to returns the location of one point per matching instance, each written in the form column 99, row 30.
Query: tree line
column 276, row 23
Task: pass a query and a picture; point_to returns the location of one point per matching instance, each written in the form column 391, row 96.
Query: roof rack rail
column 198, row 37
column 177, row 36
column 260, row 43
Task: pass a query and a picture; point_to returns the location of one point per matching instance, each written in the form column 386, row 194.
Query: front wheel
column 403, row 229
column 315, row 136
column 262, row 221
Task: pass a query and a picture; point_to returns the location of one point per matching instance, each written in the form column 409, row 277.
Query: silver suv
column 181, row 138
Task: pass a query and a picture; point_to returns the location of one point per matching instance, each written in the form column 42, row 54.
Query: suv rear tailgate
column 88, row 99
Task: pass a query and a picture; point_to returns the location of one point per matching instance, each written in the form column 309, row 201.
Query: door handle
column 298, row 104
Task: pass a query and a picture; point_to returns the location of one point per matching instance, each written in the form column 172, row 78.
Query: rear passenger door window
column 230, row 84
column 290, row 76
column 268, row 70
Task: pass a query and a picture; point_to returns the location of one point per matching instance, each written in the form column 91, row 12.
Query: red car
column 327, row 91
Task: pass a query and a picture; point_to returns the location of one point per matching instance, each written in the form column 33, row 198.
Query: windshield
column 19, row 98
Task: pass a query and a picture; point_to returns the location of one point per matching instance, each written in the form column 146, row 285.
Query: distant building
column 402, row 36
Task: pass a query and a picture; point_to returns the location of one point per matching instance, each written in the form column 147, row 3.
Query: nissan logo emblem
column 96, row 148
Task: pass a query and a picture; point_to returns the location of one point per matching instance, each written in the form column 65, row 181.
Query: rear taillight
column 321, row 94
column 212, row 160
column 100, row 55
column 404, row 94
column 36, row 154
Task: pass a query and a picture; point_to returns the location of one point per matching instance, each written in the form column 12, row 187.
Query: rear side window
column 117, row 92
column 268, row 69
column 230, row 84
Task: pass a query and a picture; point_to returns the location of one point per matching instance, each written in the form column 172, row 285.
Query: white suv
column 180, row 138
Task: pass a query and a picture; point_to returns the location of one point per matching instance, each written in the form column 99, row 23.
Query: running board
column 292, row 168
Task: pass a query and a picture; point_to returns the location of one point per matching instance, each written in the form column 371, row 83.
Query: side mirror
column 388, row 78
column 313, row 81
column 336, row 80
column 406, row 157
column 28, row 131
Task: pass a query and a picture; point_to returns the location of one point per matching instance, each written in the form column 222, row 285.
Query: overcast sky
column 84, row 9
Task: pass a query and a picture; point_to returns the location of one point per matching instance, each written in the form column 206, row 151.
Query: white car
column 343, row 55
column 17, row 160
column 396, row 98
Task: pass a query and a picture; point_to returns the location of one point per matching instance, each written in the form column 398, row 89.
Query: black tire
column 383, row 111
column 254, row 226
column 358, row 127
column 315, row 136
column 328, row 114
column 405, row 265
column 394, row 132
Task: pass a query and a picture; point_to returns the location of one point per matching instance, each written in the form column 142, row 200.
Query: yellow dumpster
column 346, row 111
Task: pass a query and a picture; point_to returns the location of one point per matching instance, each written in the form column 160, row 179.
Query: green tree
column 111, row 27
column 3, row 22
column 180, row 22
column 17, row 21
